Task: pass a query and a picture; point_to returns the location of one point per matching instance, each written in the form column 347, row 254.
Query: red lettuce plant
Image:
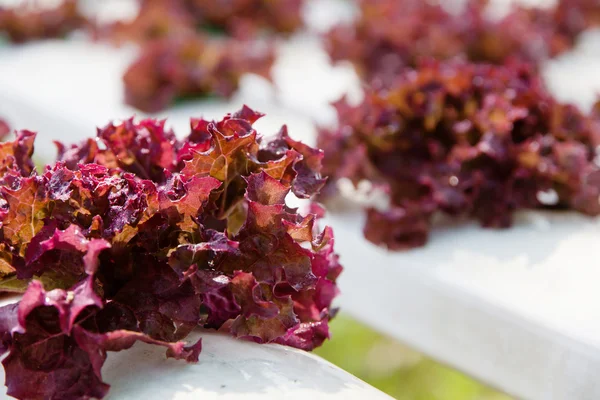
column 249, row 16
column 179, row 61
column 138, row 236
column 23, row 25
column 192, row 66
column 390, row 35
column 158, row 19
column 464, row 139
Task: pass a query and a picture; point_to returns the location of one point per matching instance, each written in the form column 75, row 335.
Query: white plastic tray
column 228, row 369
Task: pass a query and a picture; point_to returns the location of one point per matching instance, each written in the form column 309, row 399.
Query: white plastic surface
column 231, row 369
column 228, row 369
column 518, row 308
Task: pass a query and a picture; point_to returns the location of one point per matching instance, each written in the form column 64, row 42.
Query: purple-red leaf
column 23, row 24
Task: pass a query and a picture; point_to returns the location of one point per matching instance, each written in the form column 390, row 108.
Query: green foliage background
column 396, row 369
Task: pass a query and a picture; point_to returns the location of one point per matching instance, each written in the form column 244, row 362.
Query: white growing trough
column 519, row 308
column 228, row 369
